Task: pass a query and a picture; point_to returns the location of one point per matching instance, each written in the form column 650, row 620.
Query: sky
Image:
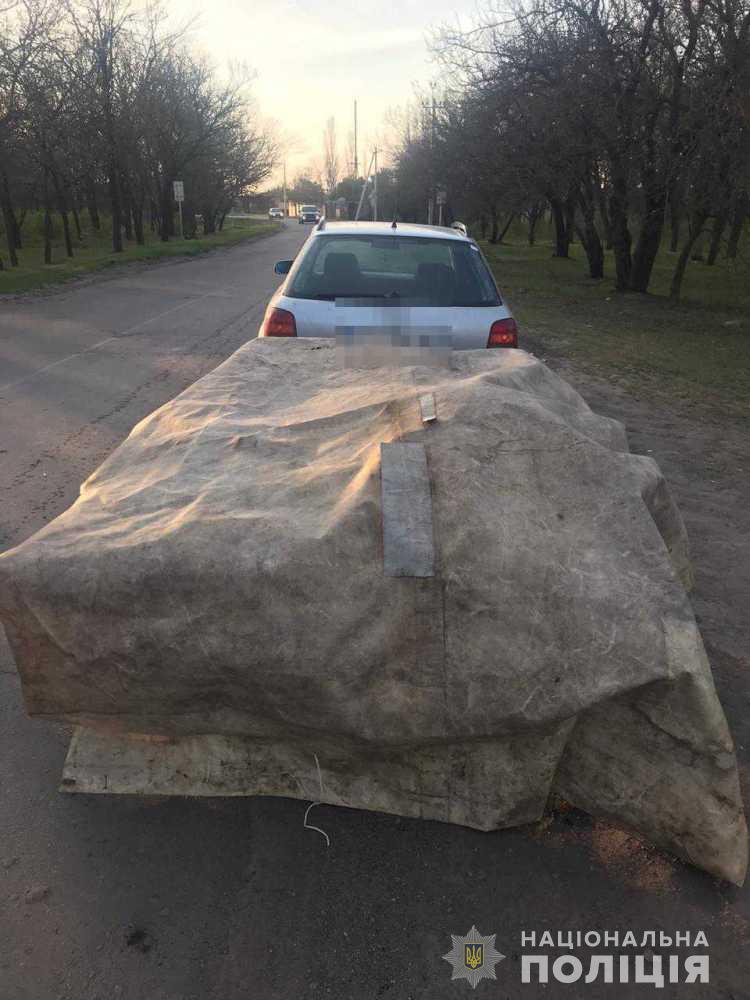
column 312, row 58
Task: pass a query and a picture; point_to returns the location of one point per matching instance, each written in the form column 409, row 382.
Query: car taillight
column 503, row 333
column 280, row 323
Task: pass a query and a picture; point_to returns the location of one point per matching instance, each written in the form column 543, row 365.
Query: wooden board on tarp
column 408, row 547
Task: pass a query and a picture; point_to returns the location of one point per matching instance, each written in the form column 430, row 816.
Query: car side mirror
column 282, row 266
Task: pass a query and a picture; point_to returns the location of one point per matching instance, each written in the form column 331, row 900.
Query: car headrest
column 434, row 275
column 341, row 265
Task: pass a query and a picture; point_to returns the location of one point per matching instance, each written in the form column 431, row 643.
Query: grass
column 696, row 352
column 94, row 252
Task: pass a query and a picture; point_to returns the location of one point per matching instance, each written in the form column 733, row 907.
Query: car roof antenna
column 393, row 225
column 322, row 223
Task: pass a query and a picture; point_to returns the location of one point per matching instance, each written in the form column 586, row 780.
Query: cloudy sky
column 313, row 57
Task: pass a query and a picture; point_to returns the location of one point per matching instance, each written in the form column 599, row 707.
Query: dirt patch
column 622, row 853
column 640, row 865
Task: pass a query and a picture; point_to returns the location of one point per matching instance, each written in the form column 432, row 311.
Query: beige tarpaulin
column 224, row 573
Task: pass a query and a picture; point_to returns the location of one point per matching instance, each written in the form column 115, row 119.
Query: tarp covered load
column 224, row 572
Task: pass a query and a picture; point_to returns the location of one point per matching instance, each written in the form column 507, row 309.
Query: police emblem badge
column 473, row 957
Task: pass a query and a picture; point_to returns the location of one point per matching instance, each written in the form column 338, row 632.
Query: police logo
column 473, row 957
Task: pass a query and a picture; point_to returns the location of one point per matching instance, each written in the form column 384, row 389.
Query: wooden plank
column 99, row 763
column 408, row 543
column 428, row 407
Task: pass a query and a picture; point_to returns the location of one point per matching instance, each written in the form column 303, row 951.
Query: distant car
column 438, row 275
column 308, row 213
column 275, row 213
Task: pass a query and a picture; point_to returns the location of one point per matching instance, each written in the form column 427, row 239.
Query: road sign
column 441, row 196
column 178, row 188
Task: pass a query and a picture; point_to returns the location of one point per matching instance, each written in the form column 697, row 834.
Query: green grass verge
column 696, row 352
column 94, row 252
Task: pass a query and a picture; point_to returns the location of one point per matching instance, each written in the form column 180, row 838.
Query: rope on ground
column 309, row 826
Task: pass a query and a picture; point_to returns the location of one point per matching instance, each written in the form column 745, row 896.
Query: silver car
column 308, row 213
column 417, row 286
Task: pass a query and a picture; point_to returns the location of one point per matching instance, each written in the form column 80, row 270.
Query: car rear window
column 423, row 271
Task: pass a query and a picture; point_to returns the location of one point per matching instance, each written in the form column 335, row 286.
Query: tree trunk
column 493, row 220
column 682, row 261
column 675, row 202
column 562, row 240
column 127, row 221
column 675, row 222
column 11, row 226
column 652, row 224
column 47, row 219
column 77, row 221
column 502, row 232
column 16, row 223
column 62, row 207
column 674, row 239
column 116, row 205
column 91, row 204
column 588, row 234
column 592, row 245
column 604, row 215
column 720, row 224
column 166, row 226
column 738, row 222
column 483, row 226
column 533, row 218
column 19, row 226
column 189, row 221
column 649, row 240
column 138, row 224
column 127, row 209
column 66, row 233
column 570, row 216
column 621, row 239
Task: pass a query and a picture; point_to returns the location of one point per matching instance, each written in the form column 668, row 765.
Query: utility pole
column 431, row 211
column 431, row 208
column 364, row 188
column 375, row 186
column 435, row 201
column 285, row 205
column 356, row 161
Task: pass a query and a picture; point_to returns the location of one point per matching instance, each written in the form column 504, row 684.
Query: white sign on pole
column 179, row 196
column 442, row 196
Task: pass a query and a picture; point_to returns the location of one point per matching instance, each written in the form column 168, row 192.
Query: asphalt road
column 109, row 897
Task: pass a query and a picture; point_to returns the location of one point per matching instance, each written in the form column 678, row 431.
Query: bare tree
column 330, row 157
column 603, row 108
column 24, row 35
column 99, row 96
